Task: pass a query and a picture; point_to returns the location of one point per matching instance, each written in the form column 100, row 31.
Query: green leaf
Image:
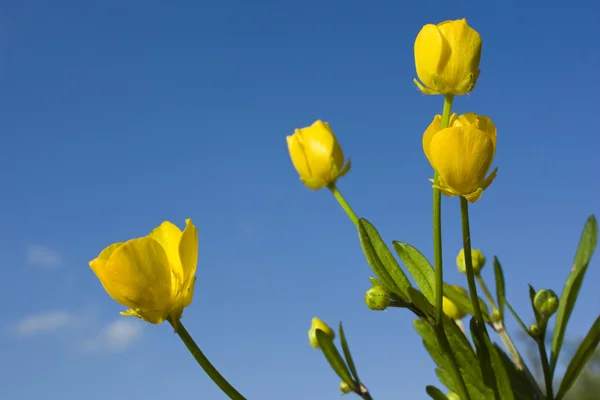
column 500, row 290
column 478, row 334
column 587, row 245
column 347, row 355
column 524, row 388
column 435, row 393
column 374, row 281
column 531, row 298
column 421, row 303
column 418, row 266
column 463, row 301
column 463, row 352
column 582, row 356
column 382, row 261
column 333, row 357
column 517, row 318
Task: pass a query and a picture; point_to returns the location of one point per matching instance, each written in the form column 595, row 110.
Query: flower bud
column 377, row 298
column 462, row 154
column 534, row 330
column 317, row 155
column 477, row 258
column 322, row 326
column 496, row 316
column 451, row 309
column 452, row 396
column 545, row 302
column 447, row 58
column 345, row 388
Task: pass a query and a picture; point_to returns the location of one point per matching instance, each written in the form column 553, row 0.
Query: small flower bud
column 312, row 333
column 534, row 330
column 345, row 388
column 452, row 396
column 496, row 316
column 477, row 258
column 451, row 309
column 545, row 302
column 377, row 298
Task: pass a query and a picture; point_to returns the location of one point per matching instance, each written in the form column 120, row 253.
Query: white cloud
column 43, row 256
column 42, row 323
column 116, row 336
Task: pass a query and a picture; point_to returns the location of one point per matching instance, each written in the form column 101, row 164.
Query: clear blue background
column 117, row 115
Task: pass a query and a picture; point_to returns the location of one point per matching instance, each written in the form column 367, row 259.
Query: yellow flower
column 451, row 309
column 322, row 326
column 447, row 58
column 152, row 275
column 462, row 154
column 317, row 155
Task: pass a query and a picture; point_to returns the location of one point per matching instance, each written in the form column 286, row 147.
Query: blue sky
column 116, row 116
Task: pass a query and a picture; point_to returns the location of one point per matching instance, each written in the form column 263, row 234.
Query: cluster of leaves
column 487, row 370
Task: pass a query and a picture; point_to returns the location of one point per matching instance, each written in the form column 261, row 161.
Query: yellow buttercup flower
column 152, row 275
column 462, row 154
column 322, row 326
column 317, row 155
column 451, row 309
column 447, row 58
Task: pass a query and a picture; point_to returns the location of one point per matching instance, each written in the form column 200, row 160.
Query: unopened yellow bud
column 545, row 302
column 377, row 298
column 317, row 155
column 447, row 58
column 322, row 326
column 534, row 330
column 451, row 309
column 477, row 258
column 345, row 388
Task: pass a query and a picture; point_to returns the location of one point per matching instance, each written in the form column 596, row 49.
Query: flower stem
column 466, row 231
column 487, row 293
column 439, row 275
column 540, row 339
column 205, row 364
column 338, row 196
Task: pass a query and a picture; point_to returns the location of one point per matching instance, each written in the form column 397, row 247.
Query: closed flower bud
column 462, row 154
column 447, row 58
column 322, row 326
column 477, row 258
column 345, row 388
column 545, row 302
column 496, row 316
column 317, row 155
column 451, row 309
column 152, row 275
column 534, row 330
column 377, row 298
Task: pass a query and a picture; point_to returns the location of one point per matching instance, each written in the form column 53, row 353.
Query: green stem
column 487, row 293
column 545, row 366
column 466, row 231
column 338, row 196
column 205, row 364
column 439, row 273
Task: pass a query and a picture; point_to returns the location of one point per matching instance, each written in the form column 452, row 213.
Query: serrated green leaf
column 582, row 356
column 500, row 289
column 382, row 261
column 418, row 266
column 478, row 335
column 333, row 357
column 463, row 301
column 435, row 393
column 463, row 353
column 348, row 355
column 587, row 245
column 420, row 302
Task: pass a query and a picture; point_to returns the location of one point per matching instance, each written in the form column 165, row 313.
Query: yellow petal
column 138, row 275
column 319, row 145
column 169, row 236
column 428, row 49
column 188, row 253
column 462, row 156
column 434, row 127
column 464, row 44
column 297, row 154
column 314, row 184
